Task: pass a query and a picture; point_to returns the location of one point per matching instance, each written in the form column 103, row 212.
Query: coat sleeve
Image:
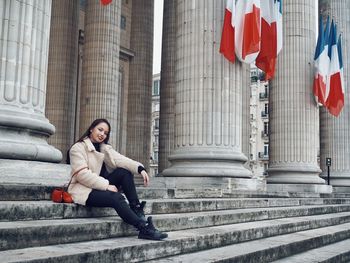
column 115, row 160
column 79, row 160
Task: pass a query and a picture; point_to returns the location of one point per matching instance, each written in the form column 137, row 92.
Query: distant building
column 259, row 120
column 155, row 125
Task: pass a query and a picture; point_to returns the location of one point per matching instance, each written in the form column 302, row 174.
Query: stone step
column 271, row 248
column 18, row 192
column 33, row 210
column 10, row 192
column 20, row 234
column 338, row 252
column 260, row 242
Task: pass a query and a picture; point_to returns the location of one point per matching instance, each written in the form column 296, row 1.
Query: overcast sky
column 157, row 35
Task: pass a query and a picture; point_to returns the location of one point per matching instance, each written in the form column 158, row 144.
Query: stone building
column 154, row 152
column 65, row 62
column 259, row 123
column 96, row 61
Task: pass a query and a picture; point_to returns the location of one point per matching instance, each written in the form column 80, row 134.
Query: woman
column 100, row 173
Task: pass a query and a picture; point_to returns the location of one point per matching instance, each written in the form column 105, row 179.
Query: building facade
column 85, row 61
column 154, row 153
column 259, row 123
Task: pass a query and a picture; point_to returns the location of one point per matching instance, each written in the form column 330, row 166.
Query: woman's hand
column 145, row 178
column 112, row 188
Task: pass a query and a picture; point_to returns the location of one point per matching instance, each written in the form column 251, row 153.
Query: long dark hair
column 88, row 132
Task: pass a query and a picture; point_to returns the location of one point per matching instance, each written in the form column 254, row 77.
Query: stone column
column 208, row 118
column 100, row 76
column 335, row 132
column 24, row 42
column 293, row 113
column 140, row 82
column 167, row 84
column 246, row 129
column 62, row 72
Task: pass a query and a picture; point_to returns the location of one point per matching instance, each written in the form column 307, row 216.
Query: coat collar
column 89, row 144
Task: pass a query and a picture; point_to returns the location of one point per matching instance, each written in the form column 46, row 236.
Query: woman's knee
column 117, row 197
column 123, row 171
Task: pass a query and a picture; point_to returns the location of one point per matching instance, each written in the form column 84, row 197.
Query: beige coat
column 86, row 165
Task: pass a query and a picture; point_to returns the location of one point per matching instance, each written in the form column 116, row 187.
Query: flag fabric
column 247, row 30
column 321, row 64
column 227, row 44
column 106, row 2
column 279, row 24
column 266, row 59
column 335, row 98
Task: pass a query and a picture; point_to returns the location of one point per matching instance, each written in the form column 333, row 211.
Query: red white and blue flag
column 106, row 2
column 227, row 44
column 335, row 98
column 321, row 64
column 247, row 30
column 271, row 36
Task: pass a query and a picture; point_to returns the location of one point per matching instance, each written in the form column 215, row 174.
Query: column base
column 215, row 183
column 337, row 178
column 32, row 172
column 23, row 137
column 207, row 162
column 341, row 189
column 294, row 174
column 305, row 188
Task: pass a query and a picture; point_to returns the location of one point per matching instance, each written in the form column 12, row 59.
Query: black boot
column 148, row 231
column 138, row 210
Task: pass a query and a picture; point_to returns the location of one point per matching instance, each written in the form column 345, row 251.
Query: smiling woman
column 100, row 174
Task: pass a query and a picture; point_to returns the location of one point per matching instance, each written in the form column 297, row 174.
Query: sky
column 157, row 35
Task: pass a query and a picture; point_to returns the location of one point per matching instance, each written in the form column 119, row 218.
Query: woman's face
column 99, row 133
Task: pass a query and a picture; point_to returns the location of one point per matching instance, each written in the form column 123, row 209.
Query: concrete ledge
column 313, row 188
column 32, row 172
column 216, row 183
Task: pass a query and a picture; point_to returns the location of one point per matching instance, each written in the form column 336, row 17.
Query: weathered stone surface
column 133, row 250
column 267, row 249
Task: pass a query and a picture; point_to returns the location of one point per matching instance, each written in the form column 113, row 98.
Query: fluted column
column 140, row 82
column 100, row 76
column 167, row 84
column 293, row 113
column 62, row 72
column 24, row 42
column 246, row 129
column 208, row 119
column 335, row 132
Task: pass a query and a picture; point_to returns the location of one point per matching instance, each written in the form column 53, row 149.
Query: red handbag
column 60, row 195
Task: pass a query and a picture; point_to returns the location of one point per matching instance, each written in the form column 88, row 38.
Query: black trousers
column 124, row 181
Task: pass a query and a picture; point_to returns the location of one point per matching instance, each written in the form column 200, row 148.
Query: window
column 266, row 149
column 123, row 22
column 155, row 156
column 266, row 128
column 156, row 124
column 155, row 91
column 266, row 108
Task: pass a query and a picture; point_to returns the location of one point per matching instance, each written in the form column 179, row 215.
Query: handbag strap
column 75, row 173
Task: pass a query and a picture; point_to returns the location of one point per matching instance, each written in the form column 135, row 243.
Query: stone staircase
column 205, row 225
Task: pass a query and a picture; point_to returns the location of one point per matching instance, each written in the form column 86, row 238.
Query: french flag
column 227, row 44
column 322, row 61
column 106, row 2
column 335, row 99
column 247, row 30
column 267, row 57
